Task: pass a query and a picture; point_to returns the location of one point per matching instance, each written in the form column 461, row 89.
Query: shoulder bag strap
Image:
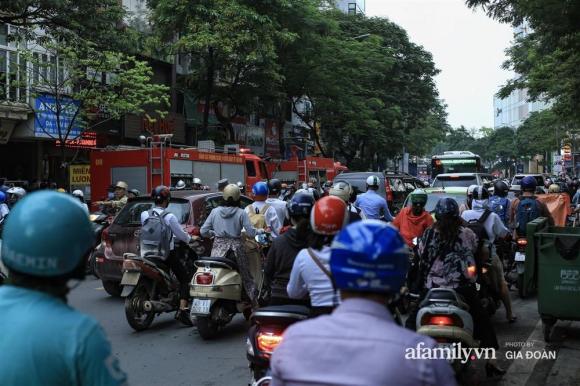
column 327, row 273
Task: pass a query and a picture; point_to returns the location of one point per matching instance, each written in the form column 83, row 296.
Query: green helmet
column 47, row 234
column 418, row 196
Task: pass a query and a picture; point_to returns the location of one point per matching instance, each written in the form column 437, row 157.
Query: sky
column 467, row 46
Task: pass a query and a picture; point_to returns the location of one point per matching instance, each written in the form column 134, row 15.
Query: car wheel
column 112, row 288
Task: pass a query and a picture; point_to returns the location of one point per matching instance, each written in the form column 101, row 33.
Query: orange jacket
column 411, row 226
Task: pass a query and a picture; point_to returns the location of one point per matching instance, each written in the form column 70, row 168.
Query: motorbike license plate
column 200, row 306
column 520, row 256
column 130, row 278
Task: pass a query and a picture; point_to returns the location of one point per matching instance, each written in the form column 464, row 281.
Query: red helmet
column 329, row 216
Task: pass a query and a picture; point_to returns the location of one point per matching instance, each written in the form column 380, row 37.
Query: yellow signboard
column 80, row 175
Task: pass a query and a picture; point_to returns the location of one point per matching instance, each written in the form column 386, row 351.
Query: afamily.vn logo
column 450, row 352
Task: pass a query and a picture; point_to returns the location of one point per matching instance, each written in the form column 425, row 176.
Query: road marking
column 521, row 370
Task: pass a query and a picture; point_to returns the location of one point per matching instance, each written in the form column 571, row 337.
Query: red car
column 122, row 236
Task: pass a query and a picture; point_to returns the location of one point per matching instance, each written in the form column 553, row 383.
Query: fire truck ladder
column 156, row 163
column 302, row 171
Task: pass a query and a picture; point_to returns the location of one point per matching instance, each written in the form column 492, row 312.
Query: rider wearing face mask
column 414, row 220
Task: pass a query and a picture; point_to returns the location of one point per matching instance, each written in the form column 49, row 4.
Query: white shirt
column 307, row 278
column 171, row 221
column 493, row 225
column 280, row 207
column 3, row 211
column 271, row 216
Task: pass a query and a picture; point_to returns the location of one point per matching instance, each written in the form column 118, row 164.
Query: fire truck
column 160, row 163
column 302, row 170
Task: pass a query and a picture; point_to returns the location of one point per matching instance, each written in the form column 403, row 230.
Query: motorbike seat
column 157, row 262
column 224, row 260
column 280, row 313
column 444, row 296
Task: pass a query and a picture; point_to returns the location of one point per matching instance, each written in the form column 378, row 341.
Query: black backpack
column 476, row 225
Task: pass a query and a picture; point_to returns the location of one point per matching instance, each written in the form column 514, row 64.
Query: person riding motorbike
column 310, row 273
column 221, row 184
column 499, row 203
column 533, row 208
column 242, row 187
column 180, row 185
column 359, row 343
column 162, row 197
column 495, row 230
column 447, row 260
column 197, row 184
column 372, row 204
column 15, row 194
column 133, row 193
column 225, row 224
column 274, row 188
column 120, row 197
column 263, row 215
column 44, row 340
column 343, row 191
column 81, row 197
column 467, row 204
column 285, row 248
column 414, row 220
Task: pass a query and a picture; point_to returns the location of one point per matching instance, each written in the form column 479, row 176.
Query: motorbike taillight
column 522, row 243
column 441, row 320
column 268, row 340
column 204, row 278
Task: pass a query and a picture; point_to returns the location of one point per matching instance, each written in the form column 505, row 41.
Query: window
column 251, row 168
column 352, row 8
column 4, row 34
column 263, row 170
column 131, row 213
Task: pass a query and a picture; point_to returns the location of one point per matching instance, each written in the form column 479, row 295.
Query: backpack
column 155, row 239
column 499, row 205
column 483, row 246
column 258, row 219
column 528, row 210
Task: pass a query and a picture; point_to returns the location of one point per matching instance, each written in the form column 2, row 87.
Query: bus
column 455, row 162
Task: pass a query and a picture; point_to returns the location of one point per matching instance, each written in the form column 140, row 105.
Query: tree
column 546, row 58
column 70, row 83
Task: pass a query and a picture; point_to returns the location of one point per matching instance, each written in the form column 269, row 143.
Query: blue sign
column 45, row 122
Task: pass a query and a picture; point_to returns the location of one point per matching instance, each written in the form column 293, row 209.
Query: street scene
column 289, row 192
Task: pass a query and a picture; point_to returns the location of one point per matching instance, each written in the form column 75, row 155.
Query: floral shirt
column 448, row 262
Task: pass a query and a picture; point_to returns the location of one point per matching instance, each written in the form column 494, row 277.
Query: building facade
column 352, row 7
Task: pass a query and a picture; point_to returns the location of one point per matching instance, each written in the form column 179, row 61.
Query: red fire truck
column 159, row 163
column 302, row 170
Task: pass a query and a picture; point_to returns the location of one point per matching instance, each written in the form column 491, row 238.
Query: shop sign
column 87, row 140
column 159, row 126
column 80, row 175
column 46, row 123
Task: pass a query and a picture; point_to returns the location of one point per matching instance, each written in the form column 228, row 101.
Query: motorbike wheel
column 206, row 327
column 112, row 288
column 136, row 317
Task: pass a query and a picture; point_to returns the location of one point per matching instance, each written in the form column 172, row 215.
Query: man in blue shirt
column 44, row 341
column 372, row 204
column 359, row 344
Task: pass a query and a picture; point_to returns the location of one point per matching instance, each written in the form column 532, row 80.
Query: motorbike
column 519, row 262
column 265, row 334
column 149, row 289
column 217, row 290
column 444, row 316
column 100, row 221
column 490, row 298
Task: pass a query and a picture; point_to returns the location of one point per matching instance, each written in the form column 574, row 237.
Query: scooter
column 444, row 316
column 268, row 325
column 100, row 221
column 217, row 291
column 520, row 261
column 148, row 288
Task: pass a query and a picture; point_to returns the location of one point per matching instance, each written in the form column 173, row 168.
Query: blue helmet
column 2, row 197
column 49, row 248
column 446, row 207
column 528, row 183
column 260, row 189
column 300, row 205
column 369, row 256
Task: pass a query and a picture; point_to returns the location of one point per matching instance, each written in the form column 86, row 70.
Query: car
column 459, row 194
column 122, row 236
column 463, row 180
column 394, row 187
column 517, row 180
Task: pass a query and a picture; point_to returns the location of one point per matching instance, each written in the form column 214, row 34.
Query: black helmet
column 500, row 188
column 275, row 186
column 481, row 193
column 446, row 208
column 160, row 194
column 300, row 205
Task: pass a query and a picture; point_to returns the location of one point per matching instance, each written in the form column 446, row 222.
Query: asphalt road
column 172, row 354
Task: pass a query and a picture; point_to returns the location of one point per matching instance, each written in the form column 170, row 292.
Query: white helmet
column 78, row 193
column 180, row 185
column 232, row 191
column 20, row 192
column 305, row 191
column 373, row 181
column 341, row 190
column 197, row 181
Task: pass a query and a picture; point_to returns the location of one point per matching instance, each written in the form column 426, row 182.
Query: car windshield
column 131, row 213
column 433, row 199
column 518, row 180
column 459, row 181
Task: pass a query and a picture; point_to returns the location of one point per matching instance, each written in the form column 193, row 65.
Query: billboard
column 45, row 117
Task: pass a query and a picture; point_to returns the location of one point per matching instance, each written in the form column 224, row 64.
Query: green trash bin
column 558, row 275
